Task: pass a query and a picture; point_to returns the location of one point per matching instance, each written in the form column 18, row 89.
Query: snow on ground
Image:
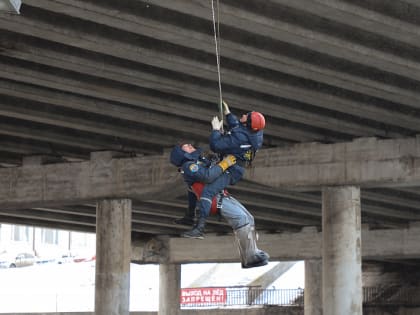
column 70, row 287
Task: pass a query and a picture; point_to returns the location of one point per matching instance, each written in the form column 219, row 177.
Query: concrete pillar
column 313, row 287
column 113, row 255
column 169, row 289
column 341, row 251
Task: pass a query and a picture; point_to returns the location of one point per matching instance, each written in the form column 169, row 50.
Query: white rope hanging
column 216, row 29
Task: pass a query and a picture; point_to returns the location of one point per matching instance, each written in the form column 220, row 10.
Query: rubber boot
column 259, row 251
column 198, row 230
column 251, row 256
column 187, row 219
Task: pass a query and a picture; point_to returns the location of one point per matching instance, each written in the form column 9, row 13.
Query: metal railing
column 251, row 296
column 257, row 296
column 391, row 295
column 235, row 296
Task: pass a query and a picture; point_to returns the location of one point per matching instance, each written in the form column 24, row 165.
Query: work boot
column 188, row 218
column 185, row 220
column 251, row 256
column 198, row 229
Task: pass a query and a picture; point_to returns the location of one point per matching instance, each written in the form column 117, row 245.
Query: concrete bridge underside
column 94, row 93
column 342, row 171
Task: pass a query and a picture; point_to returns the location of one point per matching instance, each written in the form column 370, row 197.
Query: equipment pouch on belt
column 247, row 155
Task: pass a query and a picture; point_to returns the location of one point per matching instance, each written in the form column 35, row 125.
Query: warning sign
column 203, row 295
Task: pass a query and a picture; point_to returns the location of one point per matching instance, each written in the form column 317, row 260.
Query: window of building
column 49, row 236
column 20, row 233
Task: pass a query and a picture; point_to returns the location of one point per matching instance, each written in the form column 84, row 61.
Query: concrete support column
column 113, row 255
column 169, row 289
column 341, row 251
column 313, row 287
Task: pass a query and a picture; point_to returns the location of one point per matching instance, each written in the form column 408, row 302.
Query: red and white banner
column 203, row 295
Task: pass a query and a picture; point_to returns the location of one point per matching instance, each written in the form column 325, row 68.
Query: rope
column 216, row 29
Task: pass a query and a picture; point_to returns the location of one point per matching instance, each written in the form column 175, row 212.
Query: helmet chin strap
column 248, row 120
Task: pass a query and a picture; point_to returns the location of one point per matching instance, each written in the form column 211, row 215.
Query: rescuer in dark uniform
column 243, row 139
column 198, row 172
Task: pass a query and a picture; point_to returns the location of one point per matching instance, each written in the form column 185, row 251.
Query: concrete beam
column 366, row 162
column 304, row 245
column 72, row 183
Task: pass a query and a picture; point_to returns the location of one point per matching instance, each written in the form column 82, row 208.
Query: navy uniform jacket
column 199, row 171
column 240, row 141
column 237, row 141
column 212, row 176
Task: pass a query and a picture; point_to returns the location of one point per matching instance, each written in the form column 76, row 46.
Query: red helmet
column 255, row 121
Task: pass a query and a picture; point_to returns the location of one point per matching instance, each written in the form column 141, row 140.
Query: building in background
column 46, row 243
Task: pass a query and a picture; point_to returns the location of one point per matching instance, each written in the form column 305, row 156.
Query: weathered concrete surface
column 390, row 310
column 391, row 274
column 313, row 287
column 70, row 183
column 365, row 162
column 284, row 246
column 113, row 252
column 77, row 313
column 341, row 251
column 391, row 243
column 307, row 244
column 268, row 310
column 169, row 288
column 273, row 310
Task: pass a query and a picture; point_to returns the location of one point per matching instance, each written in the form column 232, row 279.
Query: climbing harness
column 216, row 30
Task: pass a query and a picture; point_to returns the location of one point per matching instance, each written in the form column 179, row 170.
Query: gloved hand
column 227, row 162
column 216, row 123
column 226, row 108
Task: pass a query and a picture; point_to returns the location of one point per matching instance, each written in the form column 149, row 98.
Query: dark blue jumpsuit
column 198, row 169
column 241, row 142
column 213, row 178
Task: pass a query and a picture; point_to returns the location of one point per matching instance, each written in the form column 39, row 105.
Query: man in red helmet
column 243, row 138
